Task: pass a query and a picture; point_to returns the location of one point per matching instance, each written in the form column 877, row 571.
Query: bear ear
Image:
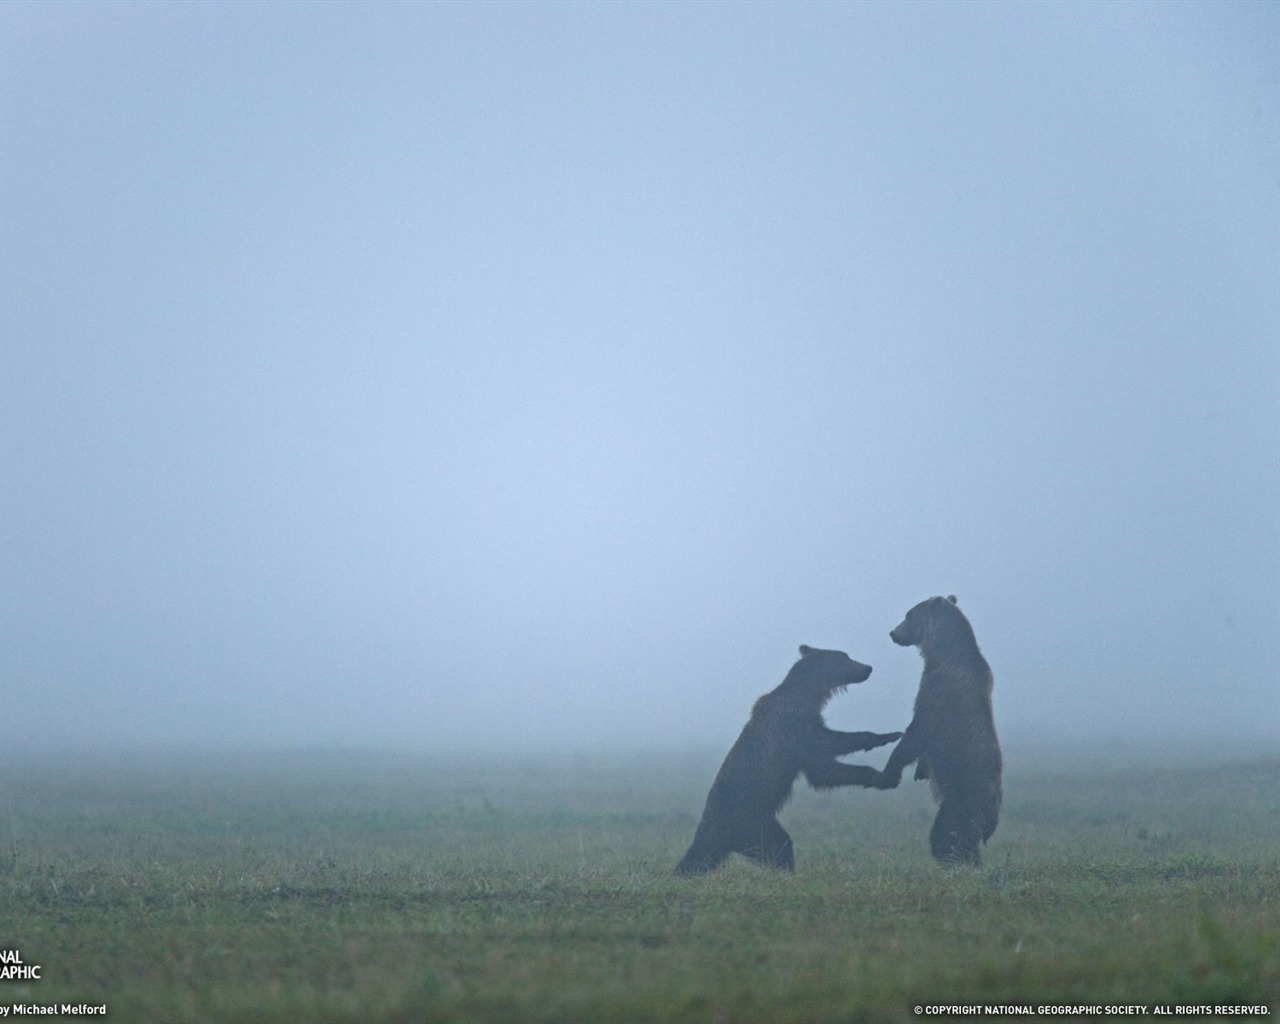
column 805, row 650
column 951, row 598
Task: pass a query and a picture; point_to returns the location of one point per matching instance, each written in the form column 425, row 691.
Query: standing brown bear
column 952, row 735
column 784, row 737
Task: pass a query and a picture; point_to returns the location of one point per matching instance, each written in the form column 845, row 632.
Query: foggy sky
column 545, row 374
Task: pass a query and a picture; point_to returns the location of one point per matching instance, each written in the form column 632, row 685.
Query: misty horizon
column 467, row 376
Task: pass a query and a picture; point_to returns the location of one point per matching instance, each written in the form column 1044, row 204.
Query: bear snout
column 900, row 636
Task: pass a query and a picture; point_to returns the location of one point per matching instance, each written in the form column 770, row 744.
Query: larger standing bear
column 952, row 736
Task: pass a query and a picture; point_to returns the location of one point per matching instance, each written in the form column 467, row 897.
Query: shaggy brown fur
column 784, row 737
column 952, row 735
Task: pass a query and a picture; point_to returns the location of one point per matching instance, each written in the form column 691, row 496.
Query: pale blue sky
column 540, row 373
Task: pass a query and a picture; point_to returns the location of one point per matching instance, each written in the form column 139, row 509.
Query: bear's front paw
column 887, row 737
column 883, row 781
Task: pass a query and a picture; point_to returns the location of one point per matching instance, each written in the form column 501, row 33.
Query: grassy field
column 339, row 886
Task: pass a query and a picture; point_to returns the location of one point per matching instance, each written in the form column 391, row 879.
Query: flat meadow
column 340, row 886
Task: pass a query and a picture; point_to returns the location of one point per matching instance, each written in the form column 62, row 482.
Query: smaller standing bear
column 784, row 737
column 952, row 735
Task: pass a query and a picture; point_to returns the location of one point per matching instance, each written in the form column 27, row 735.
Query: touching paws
column 883, row 781
column 879, row 739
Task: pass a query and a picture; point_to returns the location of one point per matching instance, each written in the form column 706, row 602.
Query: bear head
column 823, row 674
column 927, row 622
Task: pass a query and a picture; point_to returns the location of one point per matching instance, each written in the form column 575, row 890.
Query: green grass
column 335, row 887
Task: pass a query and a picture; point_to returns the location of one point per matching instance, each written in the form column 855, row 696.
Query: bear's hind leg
column 704, row 855
column 953, row 838
column 771, row 846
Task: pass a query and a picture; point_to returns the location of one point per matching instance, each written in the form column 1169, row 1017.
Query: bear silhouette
column 952, row 735
column 785, row 737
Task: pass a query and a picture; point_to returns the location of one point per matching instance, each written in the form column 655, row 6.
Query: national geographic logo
column 12, row 967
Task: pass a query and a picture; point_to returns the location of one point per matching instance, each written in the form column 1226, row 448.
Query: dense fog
column 543, row 375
